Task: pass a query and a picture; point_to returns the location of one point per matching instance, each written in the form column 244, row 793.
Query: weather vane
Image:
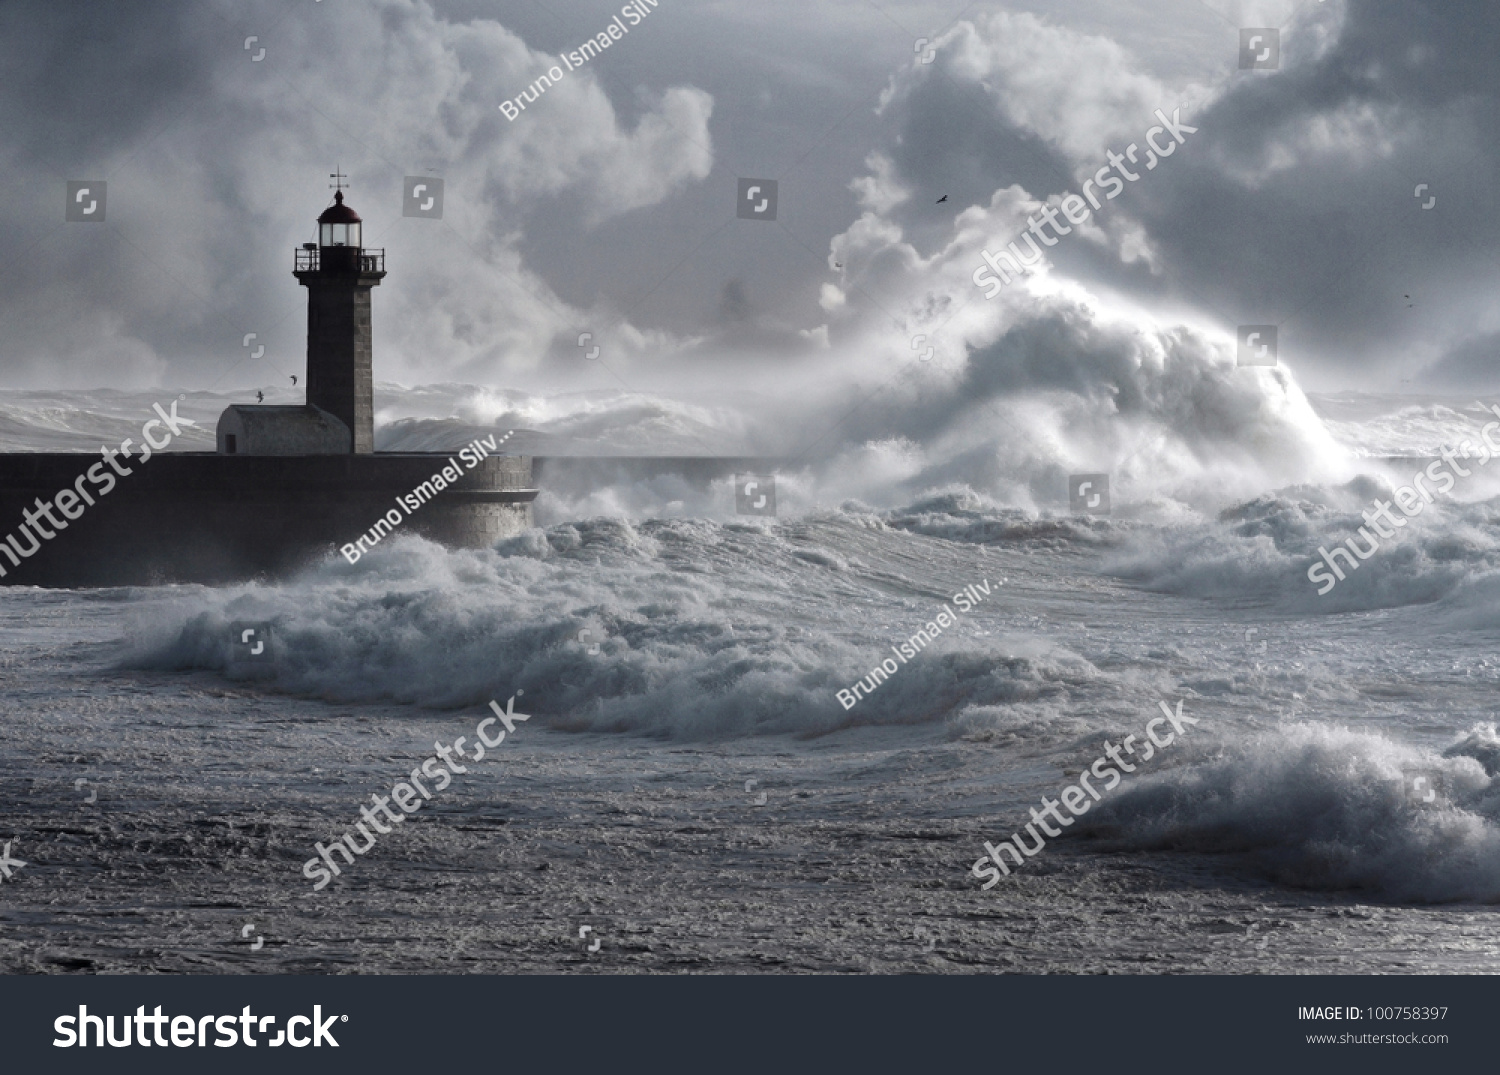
column 338, row 178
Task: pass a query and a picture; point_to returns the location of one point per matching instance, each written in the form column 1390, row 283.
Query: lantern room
column 339, row 225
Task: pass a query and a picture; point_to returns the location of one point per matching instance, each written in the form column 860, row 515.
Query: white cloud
column 1080, row 93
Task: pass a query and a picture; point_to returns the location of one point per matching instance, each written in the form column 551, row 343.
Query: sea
column 689, row 792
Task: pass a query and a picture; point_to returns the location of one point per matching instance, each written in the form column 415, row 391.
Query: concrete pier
column 208, row 518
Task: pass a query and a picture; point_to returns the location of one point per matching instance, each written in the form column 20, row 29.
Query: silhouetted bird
column 260, row 397
column 941, row 200
column 294, row 380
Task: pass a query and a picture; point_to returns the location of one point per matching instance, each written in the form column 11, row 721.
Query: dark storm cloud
column 88, row 88
column 88, row 80
column 1294, row 203
column 1304, row 208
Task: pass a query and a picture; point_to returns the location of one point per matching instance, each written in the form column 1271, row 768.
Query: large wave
column 698, row 629
column 1182, row 433
column 1328, row 808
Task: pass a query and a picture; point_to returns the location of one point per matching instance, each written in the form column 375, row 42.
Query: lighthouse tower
column 338, row 273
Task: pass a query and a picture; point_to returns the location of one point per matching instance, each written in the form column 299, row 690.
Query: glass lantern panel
column 353, row 234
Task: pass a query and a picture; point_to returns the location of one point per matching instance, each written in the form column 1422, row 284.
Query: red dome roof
column 338, row 212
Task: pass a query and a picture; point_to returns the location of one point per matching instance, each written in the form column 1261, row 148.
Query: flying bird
column 294, row 380
column 941, row 200
column 260, row 397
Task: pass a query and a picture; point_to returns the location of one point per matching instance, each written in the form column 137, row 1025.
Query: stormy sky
column 609, row 205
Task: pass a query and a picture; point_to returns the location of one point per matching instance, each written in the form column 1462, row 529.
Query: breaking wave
column 1327, row 808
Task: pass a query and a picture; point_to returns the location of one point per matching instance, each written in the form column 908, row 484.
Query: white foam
column 704, row 630
column 1323, row 807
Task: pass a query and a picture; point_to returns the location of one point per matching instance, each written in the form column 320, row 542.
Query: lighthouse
column 288, row 485
column 339, row 274
column 339, row 415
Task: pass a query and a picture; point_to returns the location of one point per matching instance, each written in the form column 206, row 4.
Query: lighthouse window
column 339, row 235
